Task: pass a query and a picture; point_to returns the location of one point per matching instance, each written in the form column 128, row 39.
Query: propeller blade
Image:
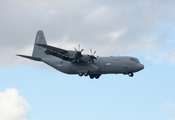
column 91, row 51
column 75, row 49
column 94, row 53
column 94, row 57
column 82, row 50
column 92, row 61
column 79, row 47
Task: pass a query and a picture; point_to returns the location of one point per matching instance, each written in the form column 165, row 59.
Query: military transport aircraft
column 74, row 62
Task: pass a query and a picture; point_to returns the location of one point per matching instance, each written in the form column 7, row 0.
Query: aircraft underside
column 87, row 69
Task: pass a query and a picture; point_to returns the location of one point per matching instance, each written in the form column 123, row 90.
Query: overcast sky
column 109, row 27
column 140, row 28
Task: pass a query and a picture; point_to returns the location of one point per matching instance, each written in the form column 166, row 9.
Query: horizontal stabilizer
column 30, row 57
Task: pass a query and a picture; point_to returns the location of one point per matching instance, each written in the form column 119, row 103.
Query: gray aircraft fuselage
column 103, row 65
column 73, row 62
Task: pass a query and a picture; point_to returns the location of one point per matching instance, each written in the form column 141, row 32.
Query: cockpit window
column 135, row 60
column 138, row 61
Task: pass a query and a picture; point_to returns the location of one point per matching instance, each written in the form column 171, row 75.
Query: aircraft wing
column 60, row 53
column 62, row 56
column 51, row 48
column 57, row 52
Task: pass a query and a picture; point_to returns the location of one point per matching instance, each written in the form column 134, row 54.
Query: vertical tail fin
column 39, row 51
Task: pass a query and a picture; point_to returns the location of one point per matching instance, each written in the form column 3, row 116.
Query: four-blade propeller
column 78, row 55
column 92, row 57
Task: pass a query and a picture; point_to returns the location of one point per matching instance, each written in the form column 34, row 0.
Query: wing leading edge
column 51, row 48
column 57, row 52
column 61, row 53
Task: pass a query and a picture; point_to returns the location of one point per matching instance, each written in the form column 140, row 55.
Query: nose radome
column 141, row 66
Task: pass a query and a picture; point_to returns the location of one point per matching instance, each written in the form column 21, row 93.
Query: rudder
column 37, row 50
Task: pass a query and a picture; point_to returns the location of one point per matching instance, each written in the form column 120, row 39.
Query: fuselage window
column 138, row 61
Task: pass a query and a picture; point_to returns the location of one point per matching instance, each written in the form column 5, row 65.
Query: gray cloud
column 110, row 27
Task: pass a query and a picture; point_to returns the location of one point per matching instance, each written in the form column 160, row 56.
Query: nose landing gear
column 130, row 74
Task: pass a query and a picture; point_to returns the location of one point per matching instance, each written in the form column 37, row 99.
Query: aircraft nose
column 141, row 66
